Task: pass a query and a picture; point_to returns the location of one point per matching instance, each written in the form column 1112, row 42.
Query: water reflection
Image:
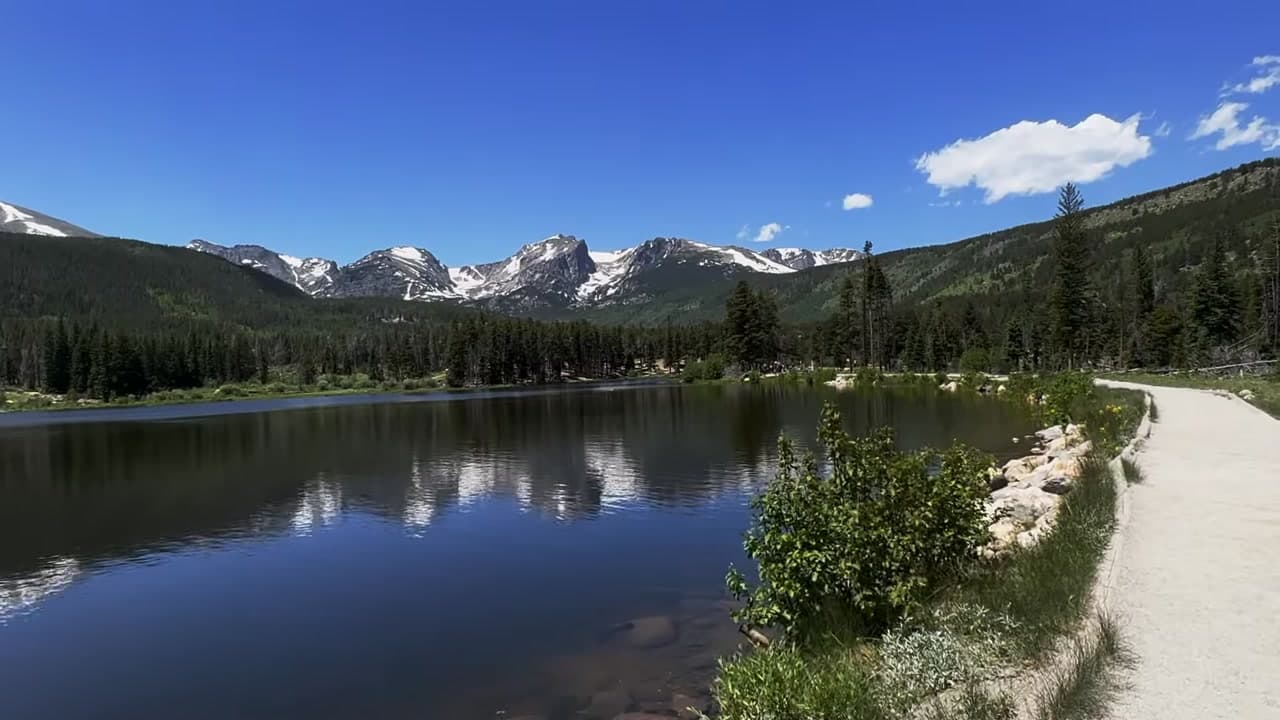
column 365, row 560
column 21, row 593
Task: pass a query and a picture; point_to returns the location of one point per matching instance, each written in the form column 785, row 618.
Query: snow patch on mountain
column 10, row 215
column 559, row 269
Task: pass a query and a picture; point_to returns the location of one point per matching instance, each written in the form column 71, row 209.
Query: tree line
column 1226, row 307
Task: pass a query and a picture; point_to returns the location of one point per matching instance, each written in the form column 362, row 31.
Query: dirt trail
column 1196, row 583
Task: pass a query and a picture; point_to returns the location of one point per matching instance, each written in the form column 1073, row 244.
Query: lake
column 551, row 554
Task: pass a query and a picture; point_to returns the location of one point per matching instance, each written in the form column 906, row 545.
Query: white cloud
column 1036, row 157
column 1164, row 129
column 857, row 201
column 1268, row 67
column 1225, row 121
column 768, row 232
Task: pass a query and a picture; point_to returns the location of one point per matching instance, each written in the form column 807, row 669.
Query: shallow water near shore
column 553, row 553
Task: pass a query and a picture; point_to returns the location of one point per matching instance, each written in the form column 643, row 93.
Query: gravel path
column 1197, row 579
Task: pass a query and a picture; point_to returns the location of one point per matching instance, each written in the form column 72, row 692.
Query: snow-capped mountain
column 17, row 219
column 313, row 276
column 410, row 273
column 802, row 259
column 560, row 270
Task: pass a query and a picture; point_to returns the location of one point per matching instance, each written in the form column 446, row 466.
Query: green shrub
column 822, row 376
column 975, row 360
column 231, row 390
column 710, row 369
column 1065, row 397
column 869, row 375
column 973, row 381
column 940, row 378
column 863, row 542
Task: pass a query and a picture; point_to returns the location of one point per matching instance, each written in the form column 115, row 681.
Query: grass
column 973, row 703
column 18, row 401
column 1085, row 684
column 1265, row 388
column 785, row 683
column 1132, row 471
column 1044, row 589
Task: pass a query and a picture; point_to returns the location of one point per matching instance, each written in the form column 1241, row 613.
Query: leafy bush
column 940, row 378
column 973, row 381
column 1065, row 396
column 863, row 542
column 231, row 390
column 975, row 360
column 711, row 368
column 869, row 375
column 821, row 376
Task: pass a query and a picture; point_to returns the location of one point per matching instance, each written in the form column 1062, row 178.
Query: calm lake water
column 554, row 554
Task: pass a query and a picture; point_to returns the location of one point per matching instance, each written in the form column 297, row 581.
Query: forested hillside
column 1179, row 276
column 1175, row 225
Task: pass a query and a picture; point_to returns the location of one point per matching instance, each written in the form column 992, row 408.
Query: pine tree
column 739, row 320
column 1269, row 272
column 848, row 321
column 1214, row 303
column 1071, row 304
column 1144, row 282
column 57, row 360
column 457, row 357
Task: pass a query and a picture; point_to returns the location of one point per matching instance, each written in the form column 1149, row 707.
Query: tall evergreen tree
column 1214, row 303
column 1072, row 298
column 848, row 322
column 57, row 360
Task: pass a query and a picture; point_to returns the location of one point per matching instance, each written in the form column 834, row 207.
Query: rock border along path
column 1195, row 575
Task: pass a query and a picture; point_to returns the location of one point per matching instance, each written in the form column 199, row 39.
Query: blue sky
column 469, row 128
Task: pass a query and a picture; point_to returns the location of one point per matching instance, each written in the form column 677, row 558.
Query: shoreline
column 323, row 398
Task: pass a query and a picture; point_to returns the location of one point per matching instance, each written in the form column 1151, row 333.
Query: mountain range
column 560, row 271
column 659, row 280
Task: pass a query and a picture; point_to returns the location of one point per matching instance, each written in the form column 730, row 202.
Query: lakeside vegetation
column 877, row 616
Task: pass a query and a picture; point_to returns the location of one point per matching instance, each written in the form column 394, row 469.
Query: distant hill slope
column 17, row 219
column 126, row 283
column 1175, row 224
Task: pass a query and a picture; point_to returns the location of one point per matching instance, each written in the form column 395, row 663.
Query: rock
column 1057, row 445
column 1050, row 434
column 1015, row 440
column 641, row 716
column 1000, row 390
column 650, row 632
column 608, row 703
column 688, row 706
column 995, row 479
column 950, row 386
column 1022, row 505
column 1246, row 395
column 1003, row 531
column 1058, row 485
